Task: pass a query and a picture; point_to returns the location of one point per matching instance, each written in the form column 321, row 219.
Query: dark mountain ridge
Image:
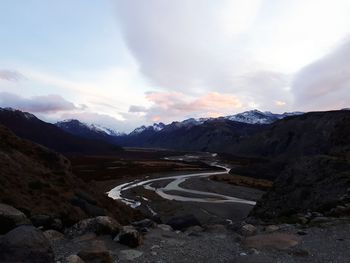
column 28, row 126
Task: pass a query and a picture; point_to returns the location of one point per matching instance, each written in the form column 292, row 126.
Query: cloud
column 325, row 84
column 104, row 120
column 36, row 104
column 10, row 75
column 170, row 106
column 137, row 109
column 193, row 45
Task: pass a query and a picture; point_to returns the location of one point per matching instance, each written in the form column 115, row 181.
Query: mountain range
column 27, row 126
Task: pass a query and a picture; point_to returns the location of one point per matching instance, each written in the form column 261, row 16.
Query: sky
column 125, row 63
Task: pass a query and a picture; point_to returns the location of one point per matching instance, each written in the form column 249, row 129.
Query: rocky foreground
column 103, row 239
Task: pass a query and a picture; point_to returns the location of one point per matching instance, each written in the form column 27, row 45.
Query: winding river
column 173, row 184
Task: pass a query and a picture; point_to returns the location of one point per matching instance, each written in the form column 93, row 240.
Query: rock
column 319, row 220
column 99, row 225
column 340, row 211
column 272, row 228
column 96, row 253
column 85, row 237
column 74, row 259
column 130, row 254
column 194, row 230
column 155, row 247
column 41, row 220
column 248, row 230
column 53, row 235
column 129, row 236
column 274, row 240
column 47, row 222
column 145, row 223
column 10, row 218
column 302, row 220
column 316, row 214
column 183, row 222
column 301, row 233
column 90, row 209
column 57, row 224
column 25, row 244
column 165, row 227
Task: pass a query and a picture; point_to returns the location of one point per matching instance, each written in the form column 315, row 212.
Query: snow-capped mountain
column 259, row 117
column 26, row 115
column 86, row 130
column 156, row 127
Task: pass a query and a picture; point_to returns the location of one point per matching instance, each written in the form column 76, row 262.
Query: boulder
column 248, row 230
column 183, row 222
column 41, row 221
column 10, row 218
column 88, row 208
column 101, row 225
column 25, row 244
column 96, row 253
column 129, row 236
column 53, row 235
column 272, row 228
column 165, row 227
column 145, row 223
column 47, row 222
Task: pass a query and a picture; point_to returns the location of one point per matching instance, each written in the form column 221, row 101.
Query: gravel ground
column 325, row 243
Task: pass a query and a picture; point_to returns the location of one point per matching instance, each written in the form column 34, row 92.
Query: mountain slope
column 212, row 135
column 27, row 126
column 308, row 134
column 37, row 180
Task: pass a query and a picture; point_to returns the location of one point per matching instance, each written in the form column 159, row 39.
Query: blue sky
column 125, row 63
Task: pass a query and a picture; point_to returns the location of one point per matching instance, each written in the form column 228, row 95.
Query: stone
column 272, row 228
column 145, row 223
column 74, row 259
column 183, row 222
column 41, row 220
column 96, row 253
column 129, row 236
column 85, row 237
column 53, row 235
column 340, row 211
column 301, row 233
column 88, row 208
column 47, row 222
column 319, row 220
column 248, row 230
column 10, row 218
column 165, row 227
column 302, row 220
column 280, row 241
column 25, row 244
column 130, row 254
column 101, row 225
column 194, row 230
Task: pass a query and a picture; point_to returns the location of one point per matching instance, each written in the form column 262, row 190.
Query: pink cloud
column 169, row 106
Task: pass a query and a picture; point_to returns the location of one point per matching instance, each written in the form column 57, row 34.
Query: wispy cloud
column 325, row 84
column 10, row 75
